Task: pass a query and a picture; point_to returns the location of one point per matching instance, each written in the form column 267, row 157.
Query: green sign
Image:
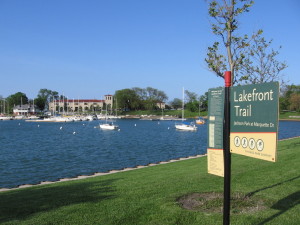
column 254, row 120
column 215, row 158
column 215, row 117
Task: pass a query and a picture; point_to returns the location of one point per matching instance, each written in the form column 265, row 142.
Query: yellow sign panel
column 215, row 161
column 260, row 145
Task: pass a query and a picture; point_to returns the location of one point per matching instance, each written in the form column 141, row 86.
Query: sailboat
column 108, row 125
column 200, row 121
column 185, row 125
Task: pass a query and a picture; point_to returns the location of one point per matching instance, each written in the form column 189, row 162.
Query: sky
column 87, row 49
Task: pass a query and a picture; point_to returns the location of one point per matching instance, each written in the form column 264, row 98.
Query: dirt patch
column 212, row 202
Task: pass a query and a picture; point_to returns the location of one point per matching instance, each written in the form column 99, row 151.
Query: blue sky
column 86, row 49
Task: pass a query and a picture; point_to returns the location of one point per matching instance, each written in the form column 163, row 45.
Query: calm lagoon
column 33, row 152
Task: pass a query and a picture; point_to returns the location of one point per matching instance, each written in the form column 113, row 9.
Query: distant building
column 161, row 105
column 80, row 105
column 25, row 110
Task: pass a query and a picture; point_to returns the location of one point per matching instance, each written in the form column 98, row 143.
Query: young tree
column 260, row 64
column 237, row 53
column 226, row 13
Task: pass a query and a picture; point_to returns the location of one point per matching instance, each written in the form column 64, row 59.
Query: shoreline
column 96, row 174
column 80, row 177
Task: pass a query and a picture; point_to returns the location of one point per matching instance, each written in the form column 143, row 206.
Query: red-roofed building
column 80, row 105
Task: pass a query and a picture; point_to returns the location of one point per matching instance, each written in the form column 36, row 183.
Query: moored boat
column 108, row 126
column 6, row 118
column 185, row 125
column 200, row 121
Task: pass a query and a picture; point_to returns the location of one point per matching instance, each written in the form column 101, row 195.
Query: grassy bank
column 149, row 195
column 189, row 114
column 177, row 113
column 289, row 115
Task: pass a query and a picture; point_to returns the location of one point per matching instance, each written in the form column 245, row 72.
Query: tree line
column 145, row 99
column 41, row 101
column 289, row 99
column 125, row 100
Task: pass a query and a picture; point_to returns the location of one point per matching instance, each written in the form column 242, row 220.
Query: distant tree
column 289, row 97
column 190, row 96
column 176, row 103
column 140, row 98
column 62, row 97
column 192, row 104
column 295, row 102
column 153, row 96
column 204, row 102
column 141, row 92
column 44, row 97
column 40, row 103
column 16, row 99
column 290, row 89
column 128, row 99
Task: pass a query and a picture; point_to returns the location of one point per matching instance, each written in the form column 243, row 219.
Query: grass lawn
column 187, row 113
column 149, row 195
column 289, row 115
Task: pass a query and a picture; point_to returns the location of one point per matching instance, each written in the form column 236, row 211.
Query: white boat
column 63, row 119
column 88, row 118
column 200, row 121
column 108, row 126
column 100, row 117
column 77, row 118
column 33, row 117
column 20, row 117
column 58, row 119
column 6, row 118
column 185, row 125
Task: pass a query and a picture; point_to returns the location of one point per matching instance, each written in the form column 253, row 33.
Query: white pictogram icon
column 260, row 145
column 251, row 143
column 237, row 141
column 244, row 142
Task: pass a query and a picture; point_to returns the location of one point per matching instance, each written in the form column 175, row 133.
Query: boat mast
column 54, row 106
column 63, row 98
column 21, row 107
column 182, row 104
column 116, row 108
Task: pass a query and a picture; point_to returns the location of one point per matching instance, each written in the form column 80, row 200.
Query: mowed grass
column 149, row 195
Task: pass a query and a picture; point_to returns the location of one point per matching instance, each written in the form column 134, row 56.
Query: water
column 34, row 152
